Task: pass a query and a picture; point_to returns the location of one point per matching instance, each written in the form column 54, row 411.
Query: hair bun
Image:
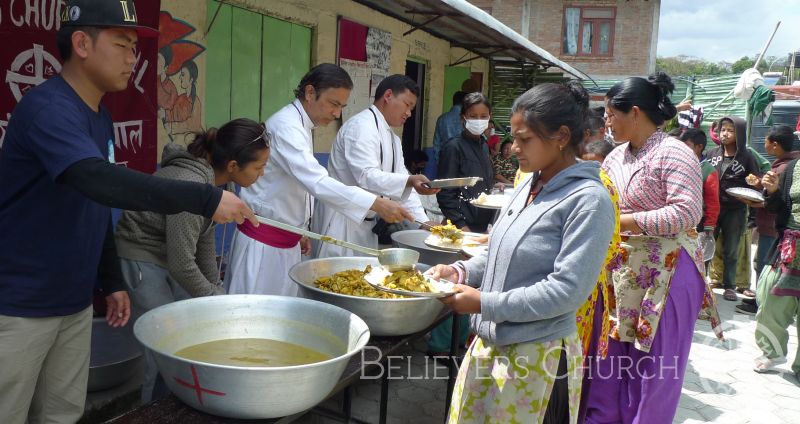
column 579, row 93
column 663, row 82
column 211, row 136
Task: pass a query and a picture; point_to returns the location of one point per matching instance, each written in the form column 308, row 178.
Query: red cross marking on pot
column 198, row 389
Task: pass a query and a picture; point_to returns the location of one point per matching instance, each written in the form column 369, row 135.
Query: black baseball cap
column 104, row 13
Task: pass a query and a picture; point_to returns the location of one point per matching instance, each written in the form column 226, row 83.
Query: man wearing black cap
column 58, row 184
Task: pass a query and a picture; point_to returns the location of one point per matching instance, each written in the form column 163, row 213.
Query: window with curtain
column 589, row 31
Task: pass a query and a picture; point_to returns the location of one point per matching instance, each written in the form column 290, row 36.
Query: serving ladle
column 393, row 259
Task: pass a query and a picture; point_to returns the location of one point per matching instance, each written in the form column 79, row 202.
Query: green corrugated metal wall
column 509, row 80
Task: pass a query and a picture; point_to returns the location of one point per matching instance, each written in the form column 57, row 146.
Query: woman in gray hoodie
column 166, row 258
column 545, row 254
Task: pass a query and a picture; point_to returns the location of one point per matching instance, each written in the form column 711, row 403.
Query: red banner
column 29, row 56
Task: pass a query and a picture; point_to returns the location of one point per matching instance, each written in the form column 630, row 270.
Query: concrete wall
column 321, row 16
column 635, row 32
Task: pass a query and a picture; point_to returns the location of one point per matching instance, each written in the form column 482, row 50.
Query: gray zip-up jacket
column 544, row 259
column 182, row 243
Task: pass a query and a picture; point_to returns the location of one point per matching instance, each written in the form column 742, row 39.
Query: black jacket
column 465, row 157
column 743, row 164
column 780, row 203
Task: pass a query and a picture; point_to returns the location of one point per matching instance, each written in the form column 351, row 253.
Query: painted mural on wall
column 29, row 56
column 180, row 110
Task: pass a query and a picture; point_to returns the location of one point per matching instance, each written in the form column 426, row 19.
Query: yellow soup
column 252, row 353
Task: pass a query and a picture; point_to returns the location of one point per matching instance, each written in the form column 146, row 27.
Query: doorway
column 412, row 129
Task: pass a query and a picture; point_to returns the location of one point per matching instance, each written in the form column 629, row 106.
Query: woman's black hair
column 241, row 140
column 547, row 107
column 322, row 77
column 651, row 95
column 783, row 135
column 191, row 68
column 472, row 99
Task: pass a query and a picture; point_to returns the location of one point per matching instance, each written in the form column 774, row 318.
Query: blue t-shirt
column 51, row 235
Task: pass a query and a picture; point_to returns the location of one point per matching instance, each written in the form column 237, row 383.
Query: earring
column 560, row 147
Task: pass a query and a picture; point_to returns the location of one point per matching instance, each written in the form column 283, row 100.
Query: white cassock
column 284, row 193
column 366, row 154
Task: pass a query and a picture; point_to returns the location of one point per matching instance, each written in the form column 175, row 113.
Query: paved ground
column 719, row 386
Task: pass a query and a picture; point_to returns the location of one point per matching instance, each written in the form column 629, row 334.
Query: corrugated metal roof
column 509, row 80
column 710, row 91
column 469, row 27
column 706, row 92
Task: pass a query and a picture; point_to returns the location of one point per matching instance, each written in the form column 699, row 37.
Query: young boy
column 697, row 141
column 597, row 150
column 734, row 163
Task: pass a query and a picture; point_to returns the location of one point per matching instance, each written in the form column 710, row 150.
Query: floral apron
column 641, row 276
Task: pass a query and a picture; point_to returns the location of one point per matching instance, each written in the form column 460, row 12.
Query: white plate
column 493, row 201
column 437, row 243
column 376, row 277
column 472, row 250
column 745, row 193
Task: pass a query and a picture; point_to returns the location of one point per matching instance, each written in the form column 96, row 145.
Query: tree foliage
column 689, row 65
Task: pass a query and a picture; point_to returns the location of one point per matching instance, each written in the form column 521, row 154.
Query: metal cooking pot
column 114, row 355
column 385, row 317
column 415, row 240
column 251, row 392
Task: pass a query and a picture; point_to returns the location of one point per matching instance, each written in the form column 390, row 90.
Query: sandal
column 746, row 292
column 730, row 294
column 715, row 284
column 764, row 364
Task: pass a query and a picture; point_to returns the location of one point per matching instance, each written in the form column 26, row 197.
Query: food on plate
column 491, row 200
column 448, row 232
column 352, row 282
column 752, row 179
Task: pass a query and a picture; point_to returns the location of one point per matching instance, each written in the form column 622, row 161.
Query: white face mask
column 477, row 126
column 491, row 132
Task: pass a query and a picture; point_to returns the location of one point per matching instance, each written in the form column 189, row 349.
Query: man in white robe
column 368, row 154
column 261, row 257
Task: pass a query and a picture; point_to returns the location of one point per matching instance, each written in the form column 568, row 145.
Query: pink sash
column 269, row 235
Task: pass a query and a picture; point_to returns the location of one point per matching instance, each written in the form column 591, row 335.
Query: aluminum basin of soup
column 251, row 391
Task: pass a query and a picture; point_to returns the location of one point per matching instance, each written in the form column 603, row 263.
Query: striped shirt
column 661, row 184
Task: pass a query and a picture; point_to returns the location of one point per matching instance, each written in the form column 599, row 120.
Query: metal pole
column 766, row 46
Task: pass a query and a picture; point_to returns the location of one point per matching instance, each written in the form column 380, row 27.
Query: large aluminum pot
column 415, row 240
column 114, row 356
column 251, row 392
column 385, row 317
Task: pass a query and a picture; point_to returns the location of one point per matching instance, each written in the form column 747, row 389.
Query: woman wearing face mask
column 468, row 156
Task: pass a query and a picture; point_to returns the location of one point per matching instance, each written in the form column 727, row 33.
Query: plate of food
column 450, row 238
column 408, row 283
column 472, row 250
column 746, row 194
column 491, row 201
column 454, row 182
